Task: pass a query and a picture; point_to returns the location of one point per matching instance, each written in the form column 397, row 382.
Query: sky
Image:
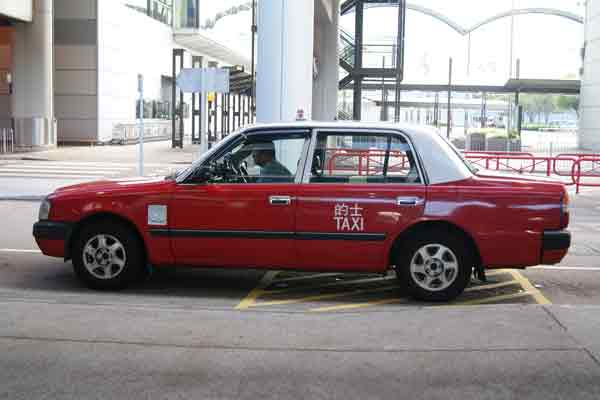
column 547, row 46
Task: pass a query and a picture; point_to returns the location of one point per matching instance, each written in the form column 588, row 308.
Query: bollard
column 3, row 140
column 12, row 140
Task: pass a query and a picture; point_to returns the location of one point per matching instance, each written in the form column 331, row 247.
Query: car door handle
column 280, row 200
column 409, row 201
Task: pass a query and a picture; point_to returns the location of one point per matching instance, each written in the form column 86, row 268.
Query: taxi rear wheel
column 107, row 256
column 435, row 266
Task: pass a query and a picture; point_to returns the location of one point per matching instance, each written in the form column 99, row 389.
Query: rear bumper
column 52, row 237
column 555, row 245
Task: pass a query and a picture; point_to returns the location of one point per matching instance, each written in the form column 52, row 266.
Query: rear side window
column 362, row 159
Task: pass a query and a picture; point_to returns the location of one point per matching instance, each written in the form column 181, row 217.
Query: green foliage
column 546, row 104
column 567, row 103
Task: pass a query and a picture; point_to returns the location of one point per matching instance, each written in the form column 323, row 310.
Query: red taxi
column 314, row 197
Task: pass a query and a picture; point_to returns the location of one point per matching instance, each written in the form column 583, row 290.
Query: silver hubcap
column 434, row 267
column 104, row 256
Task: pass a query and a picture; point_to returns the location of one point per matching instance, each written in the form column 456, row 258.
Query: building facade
column 69, row 68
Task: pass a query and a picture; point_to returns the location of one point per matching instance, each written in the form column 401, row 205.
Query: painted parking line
column 359, row 305
column 329, row 296
column 490, row 286
column 306, row 291
column 493, row 299
column 563, row 268
column 528, row 287
column 33, row 251
column 250, row 299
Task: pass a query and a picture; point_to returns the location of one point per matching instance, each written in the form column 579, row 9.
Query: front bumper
column 52, row 237
column 555, row 245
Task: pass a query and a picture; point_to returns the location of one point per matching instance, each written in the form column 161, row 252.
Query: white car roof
column 441, row 162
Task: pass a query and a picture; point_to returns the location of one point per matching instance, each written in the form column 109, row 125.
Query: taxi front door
column 232, row 225
column 249, row 224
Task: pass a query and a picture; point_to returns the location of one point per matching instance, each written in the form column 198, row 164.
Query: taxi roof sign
column 196, row 80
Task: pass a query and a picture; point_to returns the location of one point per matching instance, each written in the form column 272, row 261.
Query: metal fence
column 579, row 169
column 7, row 140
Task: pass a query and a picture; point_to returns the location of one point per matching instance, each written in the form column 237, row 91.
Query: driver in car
column 271, row 170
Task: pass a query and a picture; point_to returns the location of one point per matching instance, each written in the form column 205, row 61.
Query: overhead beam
column 466, row 30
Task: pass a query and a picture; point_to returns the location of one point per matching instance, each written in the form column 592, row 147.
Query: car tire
column 435, row 267
column 108, row 256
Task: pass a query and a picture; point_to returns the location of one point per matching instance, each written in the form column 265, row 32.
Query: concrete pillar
column 284, row 71
column 6, row 39
column 589, row 109
column 32, row 99
column 325, row 86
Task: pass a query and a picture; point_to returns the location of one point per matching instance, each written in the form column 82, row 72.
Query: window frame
column 243, row 135
column 388, row 133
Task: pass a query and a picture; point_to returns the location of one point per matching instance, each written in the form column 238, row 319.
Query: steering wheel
column 240, row 172
column 243, row 171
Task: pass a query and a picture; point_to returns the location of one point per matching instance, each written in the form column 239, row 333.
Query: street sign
column 196, row 80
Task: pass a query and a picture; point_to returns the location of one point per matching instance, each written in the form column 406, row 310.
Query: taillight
column 564, row 210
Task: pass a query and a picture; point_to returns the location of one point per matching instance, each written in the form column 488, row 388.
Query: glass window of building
column 186, row 14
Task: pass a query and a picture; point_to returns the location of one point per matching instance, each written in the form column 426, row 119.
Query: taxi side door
column 359, row 191
column 246, row 223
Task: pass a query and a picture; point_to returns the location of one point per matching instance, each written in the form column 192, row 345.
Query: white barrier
column 7, row 140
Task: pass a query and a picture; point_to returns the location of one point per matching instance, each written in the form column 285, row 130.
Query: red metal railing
column 579, row 171
column 521, row 162
column 365, row 162
column 571, row 165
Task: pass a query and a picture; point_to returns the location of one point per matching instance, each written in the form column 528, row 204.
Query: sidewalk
column 154, row 152
column 18, row 182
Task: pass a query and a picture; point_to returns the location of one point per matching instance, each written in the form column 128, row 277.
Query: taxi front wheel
column 107, row 256
column 435, row 266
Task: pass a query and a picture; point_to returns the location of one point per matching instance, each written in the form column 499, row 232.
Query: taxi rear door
column 359, row 192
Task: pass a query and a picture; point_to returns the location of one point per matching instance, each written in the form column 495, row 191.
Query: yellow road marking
column 250, row 299
column 358, row 305
column 496, row 272
column 491, row 286
column 492, row 299
column 339, row 283
column 524, row 282
column 321, row 297
column 19, row 251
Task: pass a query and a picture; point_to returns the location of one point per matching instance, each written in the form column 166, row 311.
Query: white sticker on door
column 348, row 218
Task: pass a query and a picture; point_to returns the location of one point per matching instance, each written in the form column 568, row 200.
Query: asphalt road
column 212, row 334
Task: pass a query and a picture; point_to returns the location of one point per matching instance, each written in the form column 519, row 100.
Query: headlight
column 44, row 210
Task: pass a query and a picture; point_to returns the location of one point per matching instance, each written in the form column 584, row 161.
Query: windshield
column 182, row 174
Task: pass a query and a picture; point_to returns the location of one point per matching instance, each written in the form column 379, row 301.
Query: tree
column 568, row 103
column 539, row 104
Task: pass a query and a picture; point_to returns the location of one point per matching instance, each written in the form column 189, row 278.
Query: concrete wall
column 589, row 124
column 75, row 76
column 17, row 9
column 129, row 44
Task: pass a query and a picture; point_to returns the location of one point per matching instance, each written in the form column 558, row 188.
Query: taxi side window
column 363, row 159
column 259, row 159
